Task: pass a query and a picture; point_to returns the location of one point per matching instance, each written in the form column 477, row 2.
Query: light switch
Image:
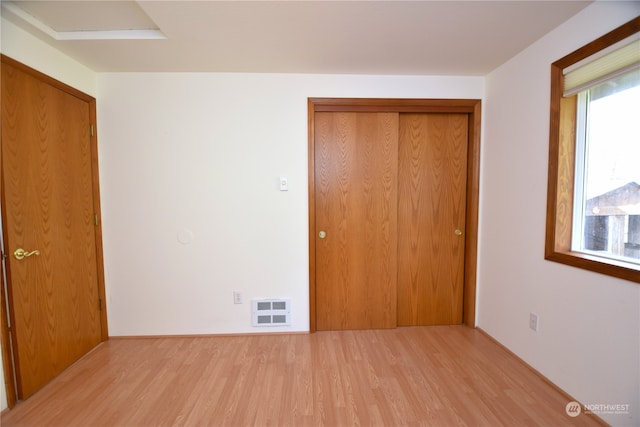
column 284, row 183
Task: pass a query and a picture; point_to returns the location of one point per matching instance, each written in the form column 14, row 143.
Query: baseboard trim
column 239, row 334
column 545, row 379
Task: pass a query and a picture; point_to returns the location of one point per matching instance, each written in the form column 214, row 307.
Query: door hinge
column 95, row 219
column 100, row 304
column 91, row 129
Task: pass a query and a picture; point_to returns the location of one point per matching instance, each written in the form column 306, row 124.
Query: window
column 607, row 176
column 593, row 206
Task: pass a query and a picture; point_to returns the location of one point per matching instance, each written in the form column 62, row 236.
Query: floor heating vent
column 271, row 312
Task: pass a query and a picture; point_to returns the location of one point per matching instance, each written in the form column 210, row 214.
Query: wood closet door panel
column 356, row 160
column 431, row 212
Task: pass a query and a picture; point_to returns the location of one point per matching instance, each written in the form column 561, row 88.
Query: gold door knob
column 322, row 234
column 22, row 254
column 458, row 232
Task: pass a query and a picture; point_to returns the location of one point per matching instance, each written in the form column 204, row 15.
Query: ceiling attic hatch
column 95, row 20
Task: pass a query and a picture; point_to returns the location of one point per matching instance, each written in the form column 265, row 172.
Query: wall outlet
column 533, row 322
column 237, row 297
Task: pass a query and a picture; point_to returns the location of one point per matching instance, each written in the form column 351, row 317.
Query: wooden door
column 431, row 214
column 48, row 207
column 356, row 160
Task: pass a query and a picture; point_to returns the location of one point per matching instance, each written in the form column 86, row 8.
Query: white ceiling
column 343, row 37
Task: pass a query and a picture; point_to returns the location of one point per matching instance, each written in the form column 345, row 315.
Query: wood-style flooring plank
column 419, row 376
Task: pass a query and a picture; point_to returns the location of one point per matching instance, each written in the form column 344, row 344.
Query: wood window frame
column 472, row 107
column 562, row 158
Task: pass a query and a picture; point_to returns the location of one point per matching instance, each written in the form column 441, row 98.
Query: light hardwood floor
column 431, row 376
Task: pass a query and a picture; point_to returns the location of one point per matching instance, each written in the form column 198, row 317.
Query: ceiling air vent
column 271, row 312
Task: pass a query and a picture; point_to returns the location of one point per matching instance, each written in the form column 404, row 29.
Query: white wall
column 588, row 342
column 21, row 46
column 31, row 51
column 203, row 153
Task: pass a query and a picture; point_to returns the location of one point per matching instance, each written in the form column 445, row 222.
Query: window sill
column 610, row 267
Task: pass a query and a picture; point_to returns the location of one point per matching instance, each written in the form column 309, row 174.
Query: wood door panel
column 356, row 193
column 48, row 206
column 431, row 207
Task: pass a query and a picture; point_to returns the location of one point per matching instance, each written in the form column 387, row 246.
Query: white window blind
column 621, row 58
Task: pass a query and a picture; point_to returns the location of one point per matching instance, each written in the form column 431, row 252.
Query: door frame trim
column 7, row 352
column 473, row 108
